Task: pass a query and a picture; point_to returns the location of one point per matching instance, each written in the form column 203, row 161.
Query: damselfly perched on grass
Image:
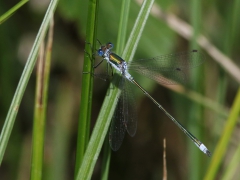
column 165, row 69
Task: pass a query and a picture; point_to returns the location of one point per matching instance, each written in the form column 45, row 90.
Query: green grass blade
column 232, row 167
column 106, row 160
column 39, row 121
column 228, row 45
column 10, row 12
column 122, row 31
column 98, row 135
column 13, row 110
column 43, row 71
column 225, row 139
column 104, row 118
column 87, row 85
column 133, row 40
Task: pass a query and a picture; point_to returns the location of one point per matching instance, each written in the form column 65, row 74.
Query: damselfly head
column 109, row 45
column 102, row 50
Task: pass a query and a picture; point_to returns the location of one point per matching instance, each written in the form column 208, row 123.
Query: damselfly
column 164, row 69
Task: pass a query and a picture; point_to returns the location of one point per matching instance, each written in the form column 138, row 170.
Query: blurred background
column 140, row 157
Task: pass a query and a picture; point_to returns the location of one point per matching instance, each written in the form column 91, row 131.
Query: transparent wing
column 129, row 107
column 117, row 129
column 168, row 69
column 124, row 117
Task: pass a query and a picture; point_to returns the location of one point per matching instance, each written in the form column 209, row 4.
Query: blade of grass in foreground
column 104, row 118
column 10, row 12
column 106, row 160
column 225, row 139
column 87, row 85
column 13, row 110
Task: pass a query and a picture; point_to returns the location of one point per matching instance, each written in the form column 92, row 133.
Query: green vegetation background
column 139, row 157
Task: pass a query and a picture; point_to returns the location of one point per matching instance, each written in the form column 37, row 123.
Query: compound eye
column 100, row 52
column 109, row 45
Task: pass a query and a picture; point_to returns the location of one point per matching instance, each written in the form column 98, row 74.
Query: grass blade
column 122, row 31
column 10, row 12
column 13, row 110
column 43, row 71
column 232, row 166
column 133, row 40
column 225, row 139
column 39, row 121
column 106, row 160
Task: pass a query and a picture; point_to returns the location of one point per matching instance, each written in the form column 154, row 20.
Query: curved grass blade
column 13, row 110
column 232, row 167
column 10, row 12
